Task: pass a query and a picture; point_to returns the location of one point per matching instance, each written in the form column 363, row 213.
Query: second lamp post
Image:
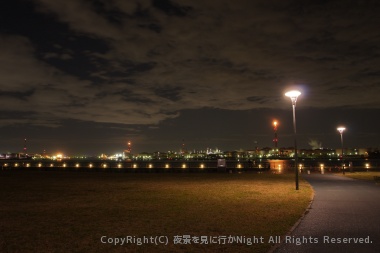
column 341, row 130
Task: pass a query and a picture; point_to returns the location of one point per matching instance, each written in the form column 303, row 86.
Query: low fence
column 134, row 166
column 275, row 166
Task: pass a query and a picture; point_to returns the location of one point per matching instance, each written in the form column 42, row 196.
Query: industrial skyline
column 127, row 150
column 81, row 75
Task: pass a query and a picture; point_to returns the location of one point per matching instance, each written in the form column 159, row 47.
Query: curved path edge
column 277, row 245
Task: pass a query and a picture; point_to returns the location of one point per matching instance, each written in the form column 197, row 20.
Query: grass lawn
column 367, row 175
column 71, row 211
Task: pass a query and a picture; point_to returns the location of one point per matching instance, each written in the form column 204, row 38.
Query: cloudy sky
column 86, row 76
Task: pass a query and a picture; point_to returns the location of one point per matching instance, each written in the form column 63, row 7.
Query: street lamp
column 293, row 95
column 341, row 130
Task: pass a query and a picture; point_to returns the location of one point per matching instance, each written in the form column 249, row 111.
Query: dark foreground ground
column 56, row 211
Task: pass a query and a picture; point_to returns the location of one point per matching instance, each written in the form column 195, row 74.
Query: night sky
column 86, row 76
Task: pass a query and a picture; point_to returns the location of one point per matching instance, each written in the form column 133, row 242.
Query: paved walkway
column 343, row 208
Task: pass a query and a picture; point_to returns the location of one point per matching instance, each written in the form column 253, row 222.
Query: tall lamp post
column 341, row 130
column 275, row 140
column 293, row 95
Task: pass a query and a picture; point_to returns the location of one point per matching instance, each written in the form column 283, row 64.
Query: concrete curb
column 277, row 245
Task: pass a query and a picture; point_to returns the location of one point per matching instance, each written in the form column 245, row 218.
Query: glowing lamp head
column 341, row 129
column 293, row 95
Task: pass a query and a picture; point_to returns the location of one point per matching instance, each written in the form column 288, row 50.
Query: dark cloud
column 144, row 62
column 171, row 93
column 171, row 8
column 259, row 100
column 22, row 95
